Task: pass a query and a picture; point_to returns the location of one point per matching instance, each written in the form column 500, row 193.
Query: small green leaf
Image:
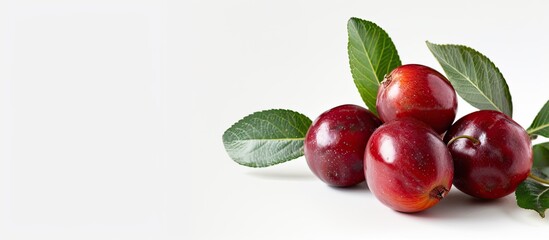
column 476, row 79
column 533, row 195
column 540, row 125
column 372, row 54
column 541, row 155
column 267, row 138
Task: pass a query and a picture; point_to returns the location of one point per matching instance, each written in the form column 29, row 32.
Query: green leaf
column 372, row 54
column 476, row 79
column 533, row 195
column 267, row 138
column 540, row 125
column 541, row 155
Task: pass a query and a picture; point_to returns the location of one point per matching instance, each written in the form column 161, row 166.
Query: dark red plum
column 408, row 167
column 492, row 154
column 418, row 92
column 335, row 143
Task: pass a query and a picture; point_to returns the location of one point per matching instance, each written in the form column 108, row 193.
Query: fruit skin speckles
column 407, row 166
column 335, row 143
column 494, row 166
column 418, row 92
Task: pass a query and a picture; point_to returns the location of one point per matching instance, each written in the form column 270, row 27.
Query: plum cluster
column 412, row 154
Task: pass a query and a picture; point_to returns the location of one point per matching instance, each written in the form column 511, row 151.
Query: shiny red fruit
column 334, row 144
column 408, row 167
column 495, row 160
column 418, row 92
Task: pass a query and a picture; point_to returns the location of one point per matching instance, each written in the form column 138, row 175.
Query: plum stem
column 438, row 192
column 474, row 140
column 541, row 180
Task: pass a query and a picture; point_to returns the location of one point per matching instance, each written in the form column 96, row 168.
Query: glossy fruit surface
column 500, row 160
column 418, row 92
column 408, row 167
column 335, row 143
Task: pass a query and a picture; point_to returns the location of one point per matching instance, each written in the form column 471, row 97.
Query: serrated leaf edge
column 538, row 206
column 354, row 21
column 301, row 152
column 540, row 114
column 429, row 44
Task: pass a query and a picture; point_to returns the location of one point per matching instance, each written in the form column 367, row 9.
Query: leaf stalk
column 474, row 140
column 538, row 179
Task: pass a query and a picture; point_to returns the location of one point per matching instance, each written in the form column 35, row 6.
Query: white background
column 112, row 112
